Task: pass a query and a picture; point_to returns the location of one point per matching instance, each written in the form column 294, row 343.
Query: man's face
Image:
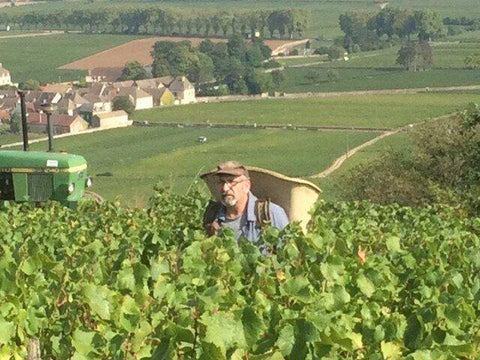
column 233, row 189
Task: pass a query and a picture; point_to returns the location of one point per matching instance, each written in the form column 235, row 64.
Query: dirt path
column 339, row 161
column 53, row 32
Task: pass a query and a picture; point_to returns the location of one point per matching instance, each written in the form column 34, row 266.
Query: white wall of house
column 188, row 97
column 110, row 122
column 78, row 125
column 5, row 79
column 144, row 103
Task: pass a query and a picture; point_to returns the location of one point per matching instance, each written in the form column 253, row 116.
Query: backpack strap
column 209, row 217
column 262, row 212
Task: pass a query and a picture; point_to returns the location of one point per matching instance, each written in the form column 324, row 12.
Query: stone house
column 183, row 90
column 103, row 74
column 5, row 78
column 111, row 119
column 62, row 124
column 161, row 96
column 139, row 98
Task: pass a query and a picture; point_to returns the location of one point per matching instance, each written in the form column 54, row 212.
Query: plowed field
column 139, row 50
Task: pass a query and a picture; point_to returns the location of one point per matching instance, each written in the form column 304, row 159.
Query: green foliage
column 123, row 103
column 473, row 61
column 258, row 82
column 366, row 29
column 314, row 75
column 366, row 281
column 277, row 78
column 134, row 71
column 29, row 85
column 15, row 124
column 335, row 52
column 443, row 168
column 415, row 56
column 333, row 75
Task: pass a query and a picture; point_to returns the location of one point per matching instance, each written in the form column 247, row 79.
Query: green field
column 140, row 157
column 38, row 57
column 323, row 13
column 378, row 70
column 382, row 111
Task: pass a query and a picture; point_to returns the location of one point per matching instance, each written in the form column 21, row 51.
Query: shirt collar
column 252, row 199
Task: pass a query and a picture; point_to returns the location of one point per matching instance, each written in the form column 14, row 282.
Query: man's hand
column 213, row 228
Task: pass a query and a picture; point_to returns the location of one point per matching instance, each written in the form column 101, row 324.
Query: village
column 80, row 108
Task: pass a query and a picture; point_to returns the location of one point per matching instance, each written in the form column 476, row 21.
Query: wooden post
column 33, row 349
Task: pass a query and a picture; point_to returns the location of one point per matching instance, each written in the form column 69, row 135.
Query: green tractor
column 37, row 177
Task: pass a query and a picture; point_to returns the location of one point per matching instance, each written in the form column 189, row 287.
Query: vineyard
column 366, row 282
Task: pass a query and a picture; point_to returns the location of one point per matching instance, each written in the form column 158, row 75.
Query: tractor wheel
column 92, row 195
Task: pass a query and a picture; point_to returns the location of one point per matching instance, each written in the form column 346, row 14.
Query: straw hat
column 296, row 196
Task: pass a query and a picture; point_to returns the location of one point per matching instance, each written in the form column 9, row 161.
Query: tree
column 335, row 52
column 254, row 56
column 234, row 76
column 29, row 85
column 428, row 24
column 236, row 47
column 472, row 61
column 313, row 75
column 333, row 75
column 202, row 70
column 277, row 78
column 123, row 103
column 15, row 124
column 415, row 55
column 258, row 81
column 134, row 71
column 172, row 58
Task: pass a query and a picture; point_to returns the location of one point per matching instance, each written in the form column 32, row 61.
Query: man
column 239, row 209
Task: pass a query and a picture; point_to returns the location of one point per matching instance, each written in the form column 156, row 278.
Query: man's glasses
column 229, row 182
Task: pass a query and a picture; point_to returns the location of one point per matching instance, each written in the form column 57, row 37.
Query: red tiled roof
column 58, row 120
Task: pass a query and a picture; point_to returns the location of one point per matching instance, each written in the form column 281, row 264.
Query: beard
column 229, row 201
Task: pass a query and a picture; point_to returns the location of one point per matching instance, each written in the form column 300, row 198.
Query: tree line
column 366, row 31
column 280, row 23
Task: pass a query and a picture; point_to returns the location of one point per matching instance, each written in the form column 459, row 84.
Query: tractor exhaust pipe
column 49, row 109
column 24, row 120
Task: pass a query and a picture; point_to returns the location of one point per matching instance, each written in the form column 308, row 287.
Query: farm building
column 62, row 88
column 62, row 124
column 5, row 78
column 138, row 97
column 183, row 90
column 161, row 96
column 111, row 119
column 103, row 74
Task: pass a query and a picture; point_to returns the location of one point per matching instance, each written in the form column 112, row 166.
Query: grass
column 9, row 138
column 174, row 157
column 354, row 110
column 38, row 57
column 378, row 70
column 331, row 185
column 301, row 61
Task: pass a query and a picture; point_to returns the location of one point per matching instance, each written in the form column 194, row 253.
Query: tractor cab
column 40, row 176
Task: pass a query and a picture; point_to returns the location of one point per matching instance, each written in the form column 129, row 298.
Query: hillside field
column 39, row 57
column 139, row 157
column 375, row 70
column 381, row 111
